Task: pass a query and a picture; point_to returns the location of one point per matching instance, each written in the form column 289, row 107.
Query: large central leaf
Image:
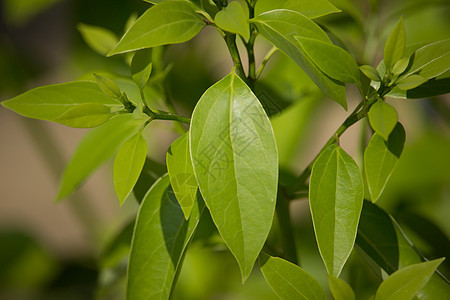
column 235, row 161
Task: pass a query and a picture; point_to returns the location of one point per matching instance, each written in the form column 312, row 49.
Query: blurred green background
column 77, row 249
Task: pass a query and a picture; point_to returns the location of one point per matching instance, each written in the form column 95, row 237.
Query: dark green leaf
column 149, row 174
column 309, row 8
column 405, row 283
column 141, row 67
column 332, row 60
column 383, row 118
column 86, row 115
column 280, row 28
column 99, row 39
column 289, row 281
column 160, row 238
column 340, row 289
column 181, row 173
column 394, row 49
column 234, row 18
column 97, row 146
column 235, row 161
column 336, row 192
column 431, row 88
column 165, row 23
column 380, row 159
column 51, row 101
column 128, row 165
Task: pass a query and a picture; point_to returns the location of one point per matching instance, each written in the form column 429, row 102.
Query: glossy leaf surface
column 289, row 281
column 280, row 28
column 410, row 82
column 309, row 8
column 406, row 283
column 340, row 289
column 432, row 60
column 51, row 101
column 160, row 237
column 128, row 165
column 165, row 23
column 86, row 115
column 335, row 196
column 383, row 118
column 394, row 49
column 99, row 39
column 233, row 18
column 332, row 60
column 235, row 161
column 181, row 173
column 380, row 159
column 96, row 147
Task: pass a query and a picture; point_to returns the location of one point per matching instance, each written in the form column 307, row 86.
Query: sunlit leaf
column 233, row 18
column 309, row 8
column 165, row 23
column 99, row 39
column 370, row 72
column 289, row 281
column 235, row 161
column 394, row 49
column 108, row 86
column 86, row 115
column 431, row 60
column 160, row 238
column 336, row 193
column 141, row 67
column 410, row 82
column 383, row 118
column 340, row 289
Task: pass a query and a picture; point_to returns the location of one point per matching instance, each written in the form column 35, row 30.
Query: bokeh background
column 53, row 250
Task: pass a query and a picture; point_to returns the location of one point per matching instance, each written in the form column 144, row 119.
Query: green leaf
column 280, row 28
column 160, row 238
column 340, row 289
column 289, row 281
column 181, row 173
column 410, row 82
column 235, row 161
column 309, row 8
column 383, row 118
column 332, row 60
column 141, row 67
column 86, row 115
column 380, row 159
column 96, row 147
column 336, row 193
column 99, row 39
column 234, row 18
column 431, row 60
column 370, row 72
column 431, row 88
column 150, row 173
column 109, row 87
column 51, row 101
column 394, row 49
column 405, row 283
column 128, row 165
column 400, row 66
column 165, row 23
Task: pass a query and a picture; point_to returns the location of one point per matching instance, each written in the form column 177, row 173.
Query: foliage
column 224, row 172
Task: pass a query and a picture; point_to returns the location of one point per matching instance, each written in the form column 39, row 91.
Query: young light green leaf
column 181, row 173
column 340, row 289
column 128, row 165
column 370, row 72
column 97, row 146
column 383, row 118
column 405, row 283
column 160, row 238
column 99, row 39
column 141, row 67
column 332, row 60
column 130, row 21
column 165, row 23
column 394, row 49
column 280, row 28
column 235, row 161
column 400, row 66
column 410, row 82
column 86, row 115
column 51, row 101
column 309, row 8
column 336, row 193
column 233, row 18
column 108, row 86
column 431, row 60
column 380, row 159
column 289, row 281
